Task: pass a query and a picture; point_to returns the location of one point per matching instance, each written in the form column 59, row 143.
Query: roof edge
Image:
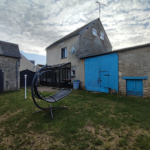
column 133, row 47
column 10, row 56
column 61, row 42
column 9, row 43
column 88, row 26
column 74, row 35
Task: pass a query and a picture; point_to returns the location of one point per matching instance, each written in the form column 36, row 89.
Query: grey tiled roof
column 9, row 49
column 72, row 34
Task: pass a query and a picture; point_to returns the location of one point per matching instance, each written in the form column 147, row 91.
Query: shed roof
column 9, row 49
column 117, row 51
column 57, row 66
column 72, row 34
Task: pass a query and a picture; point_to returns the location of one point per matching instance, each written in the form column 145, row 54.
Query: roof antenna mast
column 100, row 7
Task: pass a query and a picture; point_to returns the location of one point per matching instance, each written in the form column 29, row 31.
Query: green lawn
column 91, row 121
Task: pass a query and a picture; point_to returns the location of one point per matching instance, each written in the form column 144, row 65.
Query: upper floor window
column 101, row 35
column 94, row 31
column 64, row 53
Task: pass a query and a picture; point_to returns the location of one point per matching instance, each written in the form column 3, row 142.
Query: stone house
column 89, row 39
column 125, row 71
column 9, row 66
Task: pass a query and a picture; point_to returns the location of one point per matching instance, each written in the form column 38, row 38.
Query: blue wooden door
column 135, row 87
column 104, row 81
column 101, row 73
column 92, row 74
column 138, row 88
column 130, row 87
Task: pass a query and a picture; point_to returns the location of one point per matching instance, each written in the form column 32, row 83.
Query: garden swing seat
column 51, row 98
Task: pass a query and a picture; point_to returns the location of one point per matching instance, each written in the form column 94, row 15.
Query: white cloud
column 35, row 24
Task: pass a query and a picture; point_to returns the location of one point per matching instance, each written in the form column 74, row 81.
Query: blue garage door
column 135, row 87
column 101, row 73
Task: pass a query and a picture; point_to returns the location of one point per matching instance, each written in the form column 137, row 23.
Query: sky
column 39, row 59
column 36, row 24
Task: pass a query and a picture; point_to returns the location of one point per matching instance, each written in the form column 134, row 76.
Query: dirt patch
column 114, row 138
column 47, row 89
column 30, row 124
column 7, row 116
column 89, row 128
column 31, row 141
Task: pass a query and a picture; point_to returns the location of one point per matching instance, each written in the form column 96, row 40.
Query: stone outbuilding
column 9, row 66
column 125, row 71
column 134, row 70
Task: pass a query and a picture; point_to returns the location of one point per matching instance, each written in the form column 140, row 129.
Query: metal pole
column 99, row 10
column 100, row 7
column 25, row 76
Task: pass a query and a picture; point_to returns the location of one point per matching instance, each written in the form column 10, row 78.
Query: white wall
column 54, row 57
column 26, row 64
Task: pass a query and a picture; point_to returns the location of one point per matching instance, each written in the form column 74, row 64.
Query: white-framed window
column 94, row 32
column 64, row 53
column 101, row 35
column 73, row 73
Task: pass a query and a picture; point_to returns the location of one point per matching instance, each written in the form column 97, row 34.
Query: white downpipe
column 25, row 76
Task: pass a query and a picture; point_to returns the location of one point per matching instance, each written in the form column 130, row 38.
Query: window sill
column 64, row 58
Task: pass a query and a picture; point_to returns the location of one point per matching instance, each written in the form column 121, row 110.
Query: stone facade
column 10, row 68
column 135, row 63
column 90, row 44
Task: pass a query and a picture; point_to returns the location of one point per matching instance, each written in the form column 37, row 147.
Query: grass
column 92, row 121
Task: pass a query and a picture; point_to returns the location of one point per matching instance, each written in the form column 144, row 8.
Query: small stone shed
column 134, row 70
column 9, row 66
column 125, row 71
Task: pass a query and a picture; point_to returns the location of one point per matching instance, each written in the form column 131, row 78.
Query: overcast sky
column 35, row 24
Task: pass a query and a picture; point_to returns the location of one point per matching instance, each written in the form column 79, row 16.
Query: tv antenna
column 100, row 4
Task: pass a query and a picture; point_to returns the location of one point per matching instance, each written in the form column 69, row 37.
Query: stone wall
column 90, row 44
column 9, row 68
column 135, row 63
